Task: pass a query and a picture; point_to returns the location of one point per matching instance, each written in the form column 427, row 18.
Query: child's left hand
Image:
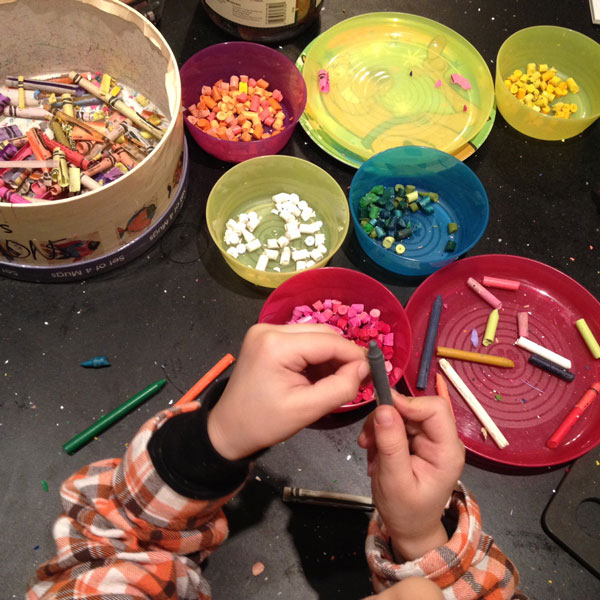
column 286, row 377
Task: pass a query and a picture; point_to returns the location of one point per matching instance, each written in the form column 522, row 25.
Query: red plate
column 533, row 403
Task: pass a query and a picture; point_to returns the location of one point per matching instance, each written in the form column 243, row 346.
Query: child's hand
column 286, row 377
column 414, row 465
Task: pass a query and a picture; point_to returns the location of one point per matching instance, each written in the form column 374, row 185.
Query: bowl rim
column 401, row 258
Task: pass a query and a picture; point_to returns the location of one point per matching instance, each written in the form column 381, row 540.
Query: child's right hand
column 415, row 459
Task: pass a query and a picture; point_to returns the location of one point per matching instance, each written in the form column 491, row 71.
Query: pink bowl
column 220, row 61
column 350, row 287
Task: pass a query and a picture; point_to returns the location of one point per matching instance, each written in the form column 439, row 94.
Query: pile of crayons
column 66, row 135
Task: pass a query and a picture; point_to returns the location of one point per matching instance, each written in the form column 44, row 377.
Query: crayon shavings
column 474, row 338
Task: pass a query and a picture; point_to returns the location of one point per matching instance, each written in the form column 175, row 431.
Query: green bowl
column 573, row 55
column 251, row 185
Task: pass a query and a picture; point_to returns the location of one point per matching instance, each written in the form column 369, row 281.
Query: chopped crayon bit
column 537, row 89
column 257, row 568
column 438, row 83
column 324, row 85
column 358, row 324
column 474, row 338
column 45, row 485
column 243, row 110
column 498, row 397
column 450, row 246
column 464, row 83
column 96, row 363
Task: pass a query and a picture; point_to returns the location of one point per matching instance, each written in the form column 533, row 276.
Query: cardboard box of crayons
column 90, row 116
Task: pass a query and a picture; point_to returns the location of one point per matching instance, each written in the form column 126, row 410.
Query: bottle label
column 256, row 13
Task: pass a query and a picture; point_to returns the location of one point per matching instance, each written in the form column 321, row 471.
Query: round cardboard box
column 109, row 37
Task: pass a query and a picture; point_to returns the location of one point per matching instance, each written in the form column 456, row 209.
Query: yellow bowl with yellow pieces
column 560, row 75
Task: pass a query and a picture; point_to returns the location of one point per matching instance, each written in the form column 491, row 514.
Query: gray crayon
column 381, row 383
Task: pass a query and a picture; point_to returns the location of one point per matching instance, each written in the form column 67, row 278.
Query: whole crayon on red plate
column 582, row 405
column 432, row 328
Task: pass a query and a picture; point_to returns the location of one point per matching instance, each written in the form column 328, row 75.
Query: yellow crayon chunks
column 541, row 88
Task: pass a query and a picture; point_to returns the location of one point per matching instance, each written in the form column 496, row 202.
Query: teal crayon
column 96, row 362
column 105, row 421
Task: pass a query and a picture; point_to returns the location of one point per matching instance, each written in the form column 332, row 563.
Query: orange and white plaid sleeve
column 125, row 533
column 469, row 566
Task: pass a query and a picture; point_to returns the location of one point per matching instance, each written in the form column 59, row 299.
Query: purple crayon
column 96, row 363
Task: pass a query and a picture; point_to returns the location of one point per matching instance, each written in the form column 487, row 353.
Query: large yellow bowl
column 573, row 55
column 252, row 184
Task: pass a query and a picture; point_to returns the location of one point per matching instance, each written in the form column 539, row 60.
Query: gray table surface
column 177, row 309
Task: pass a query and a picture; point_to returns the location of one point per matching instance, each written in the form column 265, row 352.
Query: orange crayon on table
column 206, row 379
column 582, row 405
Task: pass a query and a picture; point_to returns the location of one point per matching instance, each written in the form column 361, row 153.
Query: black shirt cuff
column 186, row 460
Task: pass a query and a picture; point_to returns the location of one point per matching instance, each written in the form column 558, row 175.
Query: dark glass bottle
column 262, row 21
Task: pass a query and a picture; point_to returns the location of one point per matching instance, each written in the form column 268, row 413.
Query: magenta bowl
column 220, row 61
column 350, row 287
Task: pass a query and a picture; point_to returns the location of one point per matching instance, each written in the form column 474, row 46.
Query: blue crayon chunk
column 96, row 363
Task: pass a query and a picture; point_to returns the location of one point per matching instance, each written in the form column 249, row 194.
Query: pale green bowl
column 254, row 182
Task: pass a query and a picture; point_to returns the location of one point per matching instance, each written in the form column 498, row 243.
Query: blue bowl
column 462, row 200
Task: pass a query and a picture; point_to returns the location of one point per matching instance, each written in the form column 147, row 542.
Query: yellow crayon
column 490, row 328
column 486, row 359
column 588, row 337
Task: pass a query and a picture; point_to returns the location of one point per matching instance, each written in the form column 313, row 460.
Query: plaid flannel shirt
column 469, row 566
column 125, row 534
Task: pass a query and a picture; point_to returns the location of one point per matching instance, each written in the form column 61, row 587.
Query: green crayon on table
column 105, row 421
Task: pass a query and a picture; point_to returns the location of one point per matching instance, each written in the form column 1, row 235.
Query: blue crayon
column 434, row 321
column 96, row 363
